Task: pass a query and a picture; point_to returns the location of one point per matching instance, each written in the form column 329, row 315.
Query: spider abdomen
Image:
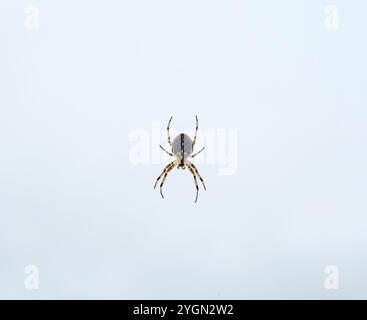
column 182, row 146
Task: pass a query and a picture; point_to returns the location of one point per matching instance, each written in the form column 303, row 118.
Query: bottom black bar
column 184, row 309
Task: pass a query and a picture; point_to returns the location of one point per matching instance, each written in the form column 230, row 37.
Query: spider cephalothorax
column 181, row 148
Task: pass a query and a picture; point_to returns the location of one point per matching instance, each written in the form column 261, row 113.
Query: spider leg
column 168, row 135
column 195, row 154
column 197, row 172
column 169, row 153
column 163, row 172
column 172, row 165
column 196, row 182
column 196, row 132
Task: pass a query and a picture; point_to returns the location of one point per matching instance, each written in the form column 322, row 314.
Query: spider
column 181, row 148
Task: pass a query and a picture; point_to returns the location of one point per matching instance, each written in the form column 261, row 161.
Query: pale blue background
column 72, row 203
